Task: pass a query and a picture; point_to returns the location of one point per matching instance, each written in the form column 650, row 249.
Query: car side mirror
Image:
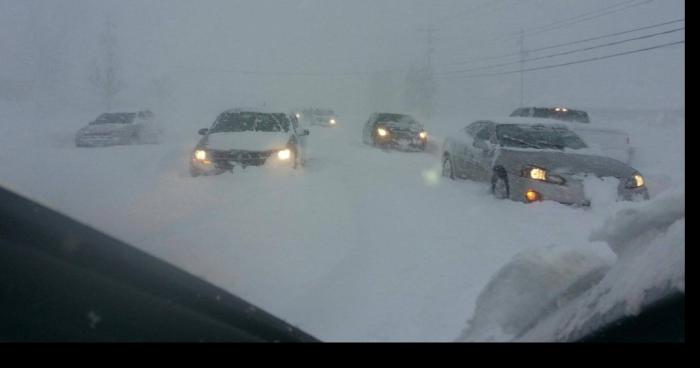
column 203, row 131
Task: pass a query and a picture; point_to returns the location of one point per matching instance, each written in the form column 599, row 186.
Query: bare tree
column 106, row 77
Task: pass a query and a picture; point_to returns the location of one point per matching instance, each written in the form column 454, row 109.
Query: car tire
column 499, row 185
column 448, row 168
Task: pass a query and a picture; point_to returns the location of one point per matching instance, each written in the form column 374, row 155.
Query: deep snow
column 361, row 244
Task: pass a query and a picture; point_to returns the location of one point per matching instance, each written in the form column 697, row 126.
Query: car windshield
column 372, row 170
column 250, row 121
column 398, row 120
column 538, row 136
column 115, row 118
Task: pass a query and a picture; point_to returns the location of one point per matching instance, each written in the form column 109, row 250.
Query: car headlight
column 636, row 181
column 382, row 132
column 537, row 173
column 540, row 174
column 423, row 135
column 332, row 121
column 200, row 155
column 284, row 154
column 298, row 116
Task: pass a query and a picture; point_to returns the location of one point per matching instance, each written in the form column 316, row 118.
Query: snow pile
column 532, row 283
column 559, row 294
column 600, row 191
column 650, row 243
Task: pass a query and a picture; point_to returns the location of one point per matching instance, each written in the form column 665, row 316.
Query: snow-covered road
column 361, row 244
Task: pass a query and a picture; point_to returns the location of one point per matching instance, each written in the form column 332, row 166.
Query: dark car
column 248, row 137
column 119, row 128
column 398, row 131
column 318, row 117
column 557, row 113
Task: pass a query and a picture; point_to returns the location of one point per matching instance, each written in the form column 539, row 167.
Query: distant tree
column 106, row 76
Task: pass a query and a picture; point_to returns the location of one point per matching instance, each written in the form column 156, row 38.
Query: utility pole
column 429, row 60
column 522, row 67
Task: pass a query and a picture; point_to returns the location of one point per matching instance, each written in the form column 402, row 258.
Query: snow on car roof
column 528, row 121
column 254, row 109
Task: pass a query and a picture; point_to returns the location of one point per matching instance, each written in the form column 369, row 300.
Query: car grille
column 245, row 158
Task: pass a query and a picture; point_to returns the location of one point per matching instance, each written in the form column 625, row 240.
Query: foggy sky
column 223, row 53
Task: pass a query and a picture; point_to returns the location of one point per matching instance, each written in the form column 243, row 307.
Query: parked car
column 532, row 160
column 119, row 128
column 612, row 142
column 317, row 117
column 248, row 137
column 398, row 131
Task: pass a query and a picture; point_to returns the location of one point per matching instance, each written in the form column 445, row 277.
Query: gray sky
column 223, row 53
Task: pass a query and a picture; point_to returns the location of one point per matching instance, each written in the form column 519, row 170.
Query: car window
column 327, row 161
column 117, row 118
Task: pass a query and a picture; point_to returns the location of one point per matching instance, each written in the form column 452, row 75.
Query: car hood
column 247, row 141
column 107, row 129
column 567, row 163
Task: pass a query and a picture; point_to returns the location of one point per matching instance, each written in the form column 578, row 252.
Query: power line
column 565, row 52
column 608, row 35
column 574, row 20
column 573, row 62
column 502, row 56
column 585, row 16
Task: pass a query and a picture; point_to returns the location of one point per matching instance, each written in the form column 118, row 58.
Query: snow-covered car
column 532, row 160
column 317, row 117
column 248, row 137
column 119, row 128
column 613, row 142
column 398, row 131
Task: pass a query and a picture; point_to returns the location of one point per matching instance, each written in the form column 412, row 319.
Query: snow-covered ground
column 361, row 244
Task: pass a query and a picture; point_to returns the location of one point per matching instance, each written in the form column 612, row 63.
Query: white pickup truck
column 612, row 142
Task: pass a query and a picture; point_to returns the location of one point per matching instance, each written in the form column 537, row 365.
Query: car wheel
column 499, row 185
column 447, row 169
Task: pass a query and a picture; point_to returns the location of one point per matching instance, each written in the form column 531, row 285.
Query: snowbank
column 559, row 294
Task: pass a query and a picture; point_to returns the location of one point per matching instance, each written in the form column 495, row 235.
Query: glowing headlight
column 298, row 116
column 382, row 132
column 332, row 121
column 541, row 174
column 423, row 135
column 200, row 155
column 538, row 174
column 636, row 181
column 284, row 154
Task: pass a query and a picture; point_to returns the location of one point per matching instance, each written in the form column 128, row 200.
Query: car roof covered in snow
column 254, row 109
column 526, row 121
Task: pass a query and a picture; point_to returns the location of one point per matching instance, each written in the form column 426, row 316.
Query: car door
column 482, row 152
column 463, row 151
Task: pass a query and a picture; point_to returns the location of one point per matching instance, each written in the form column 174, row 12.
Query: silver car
column 119, row 128
column 249, row 137
column 532, row 160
